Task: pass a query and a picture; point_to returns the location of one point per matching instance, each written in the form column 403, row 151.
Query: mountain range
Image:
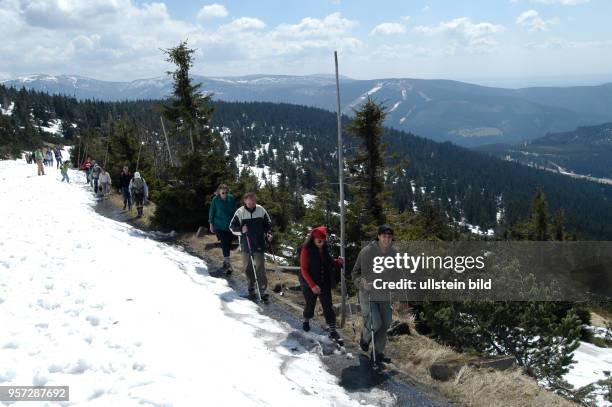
column 442, row 110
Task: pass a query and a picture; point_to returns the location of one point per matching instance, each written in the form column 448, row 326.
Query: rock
column 201, row 232
column 444, row 371
column 353, row 309
column 398, row 328
column 278, row 288
column 496, row 363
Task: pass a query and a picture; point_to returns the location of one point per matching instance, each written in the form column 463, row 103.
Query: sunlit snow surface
column 124, row 320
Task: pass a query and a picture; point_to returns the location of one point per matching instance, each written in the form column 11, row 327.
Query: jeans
column 377, row 318
column 127, row 199
column 65, row 177
column 94, row 181
column 225, row 237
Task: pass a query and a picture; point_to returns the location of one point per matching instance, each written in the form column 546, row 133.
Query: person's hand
column 340, row 260
column 316, row 290
column 245, row 229
column 212, row 229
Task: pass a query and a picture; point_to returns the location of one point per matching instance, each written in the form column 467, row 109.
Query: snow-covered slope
column 124, row 320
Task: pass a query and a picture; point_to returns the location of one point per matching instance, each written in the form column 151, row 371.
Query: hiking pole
column 253, row 264
column 351, row 314
column 372, row 329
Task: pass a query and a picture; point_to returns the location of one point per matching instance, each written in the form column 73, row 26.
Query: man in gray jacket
column 376, row 314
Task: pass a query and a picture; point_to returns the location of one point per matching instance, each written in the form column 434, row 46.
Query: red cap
column 319, row 233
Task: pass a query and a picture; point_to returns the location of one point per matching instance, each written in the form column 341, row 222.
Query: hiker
column 58, row 156
column 376, row 314
column 39, row 157
column 87, row 167
column 318, row 271
column 221, row 210
column 95, row 176
column 253, row 224
column 124, row 186
column 104, row 181
column 64, row 171
column 139, row 191
column 49, row 157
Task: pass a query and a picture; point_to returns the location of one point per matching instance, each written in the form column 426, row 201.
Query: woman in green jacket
column 220, row 214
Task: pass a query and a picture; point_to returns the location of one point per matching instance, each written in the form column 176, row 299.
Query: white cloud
column 533, row 22
column 562, row 2
column 212, row 11
column 406, row 18
column 475, row 37
column 388, row 29
column 426, row 9
column 245, row 23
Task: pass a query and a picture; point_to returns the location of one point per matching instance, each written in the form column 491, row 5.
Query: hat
column 385, row 229
column 319, row 233
column 136, row 174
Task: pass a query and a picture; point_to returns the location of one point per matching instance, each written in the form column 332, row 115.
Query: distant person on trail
column 64, row 170
column 139, row 191
column 87, row 167
column 253, row 224
column 49, row 157
column 220, row 214
column 376, row 314
column 58, row 156
column 124, row 186
column 318, row 271
column 95, row 176
column 104, row 181
column 39, row 157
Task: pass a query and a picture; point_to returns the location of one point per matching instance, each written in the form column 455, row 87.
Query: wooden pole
column 341, row 177
column 166, row 137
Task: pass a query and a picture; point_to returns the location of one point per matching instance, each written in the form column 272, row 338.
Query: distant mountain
column 586, row 151
column 441, row 110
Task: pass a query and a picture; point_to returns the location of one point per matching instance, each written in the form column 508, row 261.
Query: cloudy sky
column 496, row 42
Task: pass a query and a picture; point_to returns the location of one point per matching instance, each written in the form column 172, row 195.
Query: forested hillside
column 300, row 142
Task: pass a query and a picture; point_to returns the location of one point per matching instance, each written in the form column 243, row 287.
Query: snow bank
column 124, row 320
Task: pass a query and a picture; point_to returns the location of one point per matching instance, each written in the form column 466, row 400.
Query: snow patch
column 9, row 110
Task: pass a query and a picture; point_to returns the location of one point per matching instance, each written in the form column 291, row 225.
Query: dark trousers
column 326, row 303
column 127, row 199
column 225, row 237
column 95, row 185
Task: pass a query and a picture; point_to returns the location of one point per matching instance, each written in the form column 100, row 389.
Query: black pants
column 326, row 303
column 225, row 237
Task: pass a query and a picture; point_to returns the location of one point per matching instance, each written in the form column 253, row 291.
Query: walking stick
column 372, row 330
column 253, row 264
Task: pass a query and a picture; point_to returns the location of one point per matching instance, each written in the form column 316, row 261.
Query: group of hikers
column 318, row 269
column 133, row 187
column 43, row 157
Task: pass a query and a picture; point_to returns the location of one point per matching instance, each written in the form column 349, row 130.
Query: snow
column 309, row 199
column 375, row 89
column 124, row 320
column 9, row 110
column 54, row 127
column 591, row 362
column 395, row 106
column 424, row 96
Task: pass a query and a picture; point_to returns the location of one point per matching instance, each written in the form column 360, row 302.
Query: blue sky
column 497, row 42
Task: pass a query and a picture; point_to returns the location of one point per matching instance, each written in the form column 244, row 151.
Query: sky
column 508, row 43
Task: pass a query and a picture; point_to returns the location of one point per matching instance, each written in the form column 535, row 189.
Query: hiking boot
column 265, row 297
column 334, row 336
column 380, row 357
column 364, row 345
column 306, row 326
column 124, row 207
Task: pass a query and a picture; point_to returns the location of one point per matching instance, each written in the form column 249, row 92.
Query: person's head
column 319, row 236
column 385, row 236
column 136, row 174
column 250, row 200
column 222, row 191
column 125, row 169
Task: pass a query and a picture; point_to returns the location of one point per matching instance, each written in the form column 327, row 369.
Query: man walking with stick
column 376, row 314
column 252, row 223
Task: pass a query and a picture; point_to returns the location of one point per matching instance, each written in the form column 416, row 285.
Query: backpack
column 138, row 185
